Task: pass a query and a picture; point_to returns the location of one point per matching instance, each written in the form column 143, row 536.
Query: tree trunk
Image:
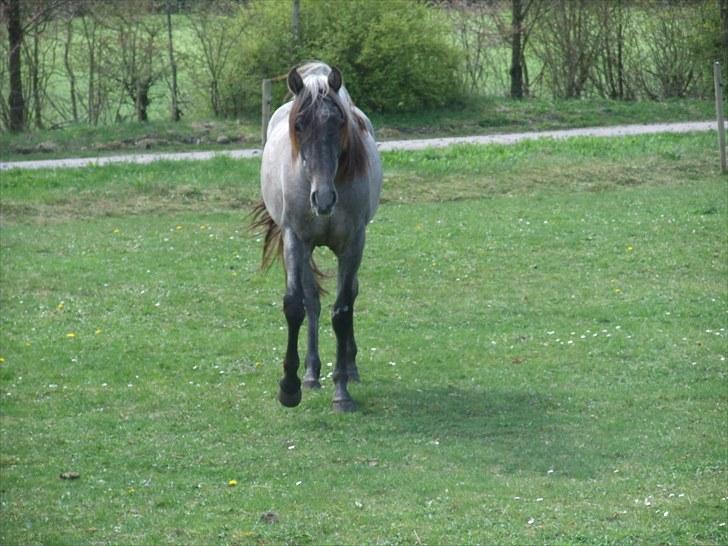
column 142, row 99
column 35, row 83
column 516, row 70
column 173, row 65
column 69, row 69
column 620, row 51
column 89, row 31
column 15, row 40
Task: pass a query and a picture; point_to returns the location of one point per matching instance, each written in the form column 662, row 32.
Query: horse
column 320, row 177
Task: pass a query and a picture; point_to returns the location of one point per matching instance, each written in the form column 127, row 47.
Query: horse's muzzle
column 322, row 202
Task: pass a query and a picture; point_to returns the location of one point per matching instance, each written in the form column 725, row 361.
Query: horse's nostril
column 323, row 202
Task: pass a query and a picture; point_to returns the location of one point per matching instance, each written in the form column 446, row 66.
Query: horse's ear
column 295, row 82
column 335, row 79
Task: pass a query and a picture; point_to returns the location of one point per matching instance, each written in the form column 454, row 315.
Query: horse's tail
column 262, row 223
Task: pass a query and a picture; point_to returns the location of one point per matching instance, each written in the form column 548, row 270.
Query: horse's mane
column 353, row 160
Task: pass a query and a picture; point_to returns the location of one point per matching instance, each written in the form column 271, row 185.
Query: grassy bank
column 542, row 339
column 481, row 116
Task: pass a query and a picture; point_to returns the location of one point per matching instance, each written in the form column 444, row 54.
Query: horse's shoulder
column 279, row 118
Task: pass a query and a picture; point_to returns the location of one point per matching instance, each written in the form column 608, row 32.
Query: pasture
column 542, row 337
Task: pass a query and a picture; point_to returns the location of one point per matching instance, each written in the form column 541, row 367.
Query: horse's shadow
column 517, row 430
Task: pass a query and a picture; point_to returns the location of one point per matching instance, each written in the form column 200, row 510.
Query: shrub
column 395, row 55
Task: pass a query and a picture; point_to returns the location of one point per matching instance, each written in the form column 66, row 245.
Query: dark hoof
column 311, row 383
column 345, row 405
column 290, row 400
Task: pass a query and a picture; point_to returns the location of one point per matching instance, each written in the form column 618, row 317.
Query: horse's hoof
column 290, row 400
column 344, row 406
column 311, row 383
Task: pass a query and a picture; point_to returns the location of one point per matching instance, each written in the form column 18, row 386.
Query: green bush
column 395, row 55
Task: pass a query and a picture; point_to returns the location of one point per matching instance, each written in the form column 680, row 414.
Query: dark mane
column 353, row 159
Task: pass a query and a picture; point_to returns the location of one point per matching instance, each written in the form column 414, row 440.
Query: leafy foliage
column 394, row 55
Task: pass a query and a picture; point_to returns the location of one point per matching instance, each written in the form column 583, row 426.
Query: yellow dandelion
column 2, row 360
column 117, row 231
column 97, row 332
column 232, row 483
column 178, row 228
column 71, row 335
column 630, row 248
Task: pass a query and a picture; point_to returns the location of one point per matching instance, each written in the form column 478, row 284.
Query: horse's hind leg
column 289, row 393
column 313, row 311
column 352, row 371
column 342, row 319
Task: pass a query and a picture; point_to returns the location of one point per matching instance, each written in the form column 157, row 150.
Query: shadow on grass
column 516, row 430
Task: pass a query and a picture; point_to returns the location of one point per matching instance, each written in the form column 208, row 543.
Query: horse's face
column 318, row 124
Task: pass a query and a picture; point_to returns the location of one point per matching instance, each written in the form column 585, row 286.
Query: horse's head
column 318, row 127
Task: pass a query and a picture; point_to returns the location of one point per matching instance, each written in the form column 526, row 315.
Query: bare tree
column 68, row 65
column 610, row 76
column 669, row 65
column 135, row 66
column 217, row 34
column 524, row 15
column 90, row 36
column 568, row 44
column 39, row 54
column 175, row 114
column 16, row 106
column 21, row 19
column 476, row 31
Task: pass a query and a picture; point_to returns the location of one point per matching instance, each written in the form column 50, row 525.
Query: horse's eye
column 298, row 125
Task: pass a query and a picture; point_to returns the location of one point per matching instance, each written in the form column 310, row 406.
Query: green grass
column 480, row 116
column 542, row 334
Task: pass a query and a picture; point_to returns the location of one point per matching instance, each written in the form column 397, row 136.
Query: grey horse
column 320, row 178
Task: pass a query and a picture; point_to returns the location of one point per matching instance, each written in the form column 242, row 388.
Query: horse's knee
column 341, row 319
column 294, row 310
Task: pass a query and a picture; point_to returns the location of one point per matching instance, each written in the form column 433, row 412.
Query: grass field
column 542, row 336
column 484, row 115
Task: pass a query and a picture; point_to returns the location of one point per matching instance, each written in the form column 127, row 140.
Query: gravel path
column 419, row 144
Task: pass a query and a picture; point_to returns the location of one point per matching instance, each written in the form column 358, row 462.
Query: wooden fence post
column 719, row 116
column 265, row 114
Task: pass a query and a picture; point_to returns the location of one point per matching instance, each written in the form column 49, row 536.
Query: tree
column 217, row 36
column 723, row 9
column 68, row 65
column 136, row 66
column 19, row 22
column 610, row 72
column 11, row 9
column 175, row 114
column 477, row 30
column 569, row 41
column 524, row 14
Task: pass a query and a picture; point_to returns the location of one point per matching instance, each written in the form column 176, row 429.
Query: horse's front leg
column 342, row 319
column 289, row 393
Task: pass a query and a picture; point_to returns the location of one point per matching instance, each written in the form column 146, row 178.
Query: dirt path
column 419, row 144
